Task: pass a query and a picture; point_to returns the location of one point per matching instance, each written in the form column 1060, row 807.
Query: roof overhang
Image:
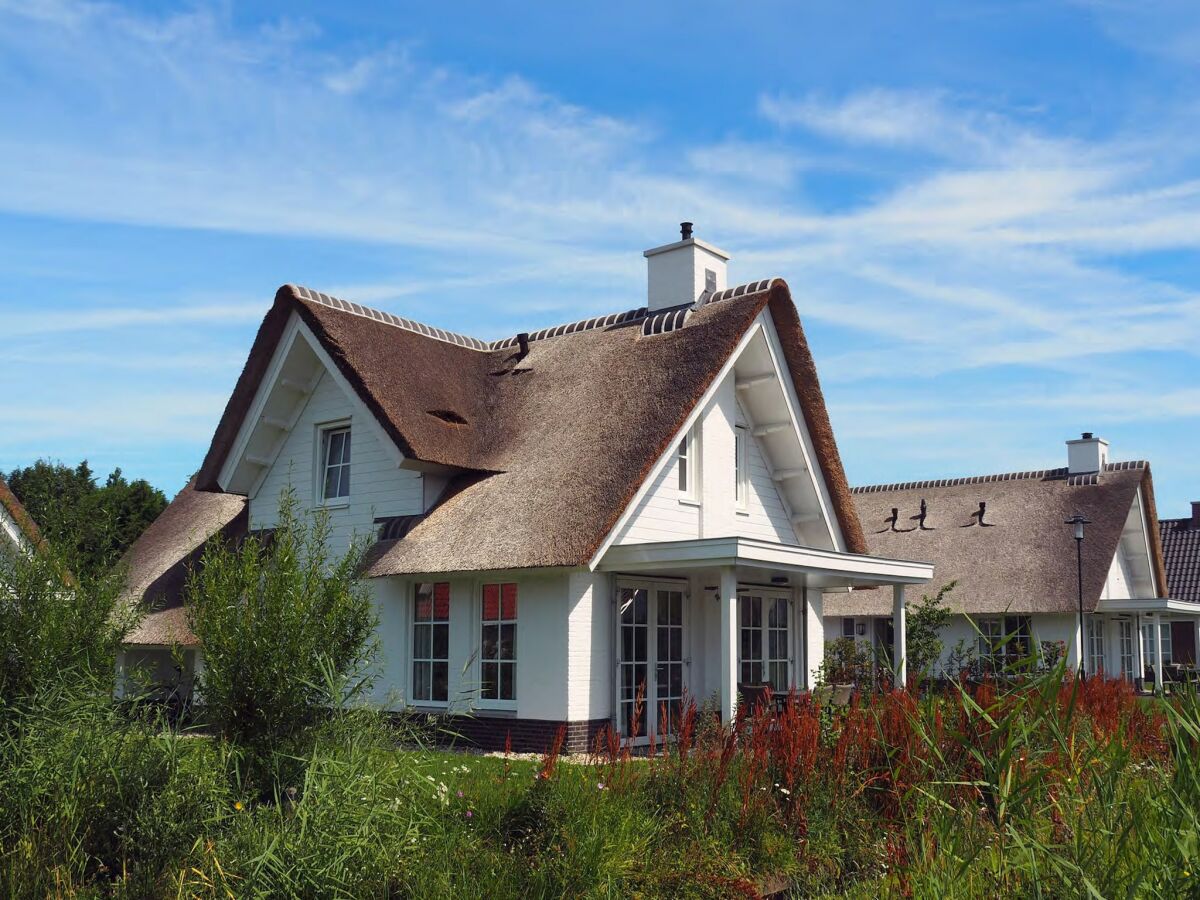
column 823, row 569
column 1149, row 605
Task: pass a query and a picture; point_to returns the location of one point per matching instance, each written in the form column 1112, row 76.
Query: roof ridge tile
column 1042, row 474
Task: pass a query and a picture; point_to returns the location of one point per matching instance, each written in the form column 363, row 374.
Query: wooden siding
column 764, row 515
column 377, row 486
column 660, row 516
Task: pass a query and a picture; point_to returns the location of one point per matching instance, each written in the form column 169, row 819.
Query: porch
column 1155, row 639
column 719, row 617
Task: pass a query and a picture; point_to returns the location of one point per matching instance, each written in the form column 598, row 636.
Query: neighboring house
column 1003, row 538
column 649, row 500
column 1181, row 555
column 17, row 529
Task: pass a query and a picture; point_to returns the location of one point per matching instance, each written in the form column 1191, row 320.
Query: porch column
column 899, row 630
column 729, row 644
column 1156, row 618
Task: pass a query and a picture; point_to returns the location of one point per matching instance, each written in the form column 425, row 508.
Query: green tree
column 89, row 524
column 55, row 625
column 926, row 620
column 288, row 632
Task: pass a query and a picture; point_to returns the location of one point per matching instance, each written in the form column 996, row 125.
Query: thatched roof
column 157, row 565
column 16, row 511
column 1181, row 555
column 551, row 445
column 1023, row 558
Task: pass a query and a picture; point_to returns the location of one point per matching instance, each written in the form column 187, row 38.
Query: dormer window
column 335, row 463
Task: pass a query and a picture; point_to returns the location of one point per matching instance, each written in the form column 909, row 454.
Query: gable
column 787, row 497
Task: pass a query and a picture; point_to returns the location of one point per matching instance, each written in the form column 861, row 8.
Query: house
column 647, row 501
column 1181, row 558
column 1004, row 539
column 17, row 528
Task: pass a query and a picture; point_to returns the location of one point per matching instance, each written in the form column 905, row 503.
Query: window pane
column 508, row 601
column 441, row 641
column 422, row 641
column 508, row 641
column 683, row 476
column 440, row 680
column 507, row 688
column 345, row 458
column 491, row 641
column 491, row 601
column 344, row 483
column 490, row 685
column 331, row 483
column 421, row 673
column 441, row 600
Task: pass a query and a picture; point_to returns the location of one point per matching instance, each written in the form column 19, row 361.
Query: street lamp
column 1078, row 522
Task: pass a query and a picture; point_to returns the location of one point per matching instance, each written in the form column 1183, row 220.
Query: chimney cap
column 1087, row 436
column 685, row 230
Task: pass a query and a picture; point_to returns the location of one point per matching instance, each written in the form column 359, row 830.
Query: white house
column 1005, row 540
column 650, row 499
column 17, row 529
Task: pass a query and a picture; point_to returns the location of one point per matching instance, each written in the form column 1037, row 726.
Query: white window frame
column 687, row 467
column 495, row 703
column 324, row 432
column 413, row 659
column 768, row 598
column 1095, row 645
column 1148, row 642
column 1127, row 640
column 741, row 466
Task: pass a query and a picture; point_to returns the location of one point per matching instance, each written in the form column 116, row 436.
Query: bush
column 287, row 633
column 926, row 621
column 53, row 621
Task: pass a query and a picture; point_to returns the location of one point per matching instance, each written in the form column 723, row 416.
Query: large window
column 763, row 655
column 431, row 642
column 1125, row 637
column 991, row 642
column 1095, row 646
column 335, row 463
column 1148, row 643
column 498, row 649
column 1004, row 642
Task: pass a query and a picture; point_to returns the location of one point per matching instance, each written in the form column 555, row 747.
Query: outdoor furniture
column 842, row 694
column 753, row 696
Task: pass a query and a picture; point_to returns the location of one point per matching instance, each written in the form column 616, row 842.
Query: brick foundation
column 492, row 732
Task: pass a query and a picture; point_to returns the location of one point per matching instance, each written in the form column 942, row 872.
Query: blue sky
column 989, row 213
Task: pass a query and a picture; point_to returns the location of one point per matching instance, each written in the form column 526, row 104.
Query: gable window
column 335, row 463
column 431, row 642
column 687, row 459
column 498, row 646
column 741, row 486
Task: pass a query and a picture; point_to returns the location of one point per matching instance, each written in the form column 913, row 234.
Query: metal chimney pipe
column 685, row 231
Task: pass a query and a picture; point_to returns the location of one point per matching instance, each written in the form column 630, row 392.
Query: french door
column 650, row 667
column 764, row 646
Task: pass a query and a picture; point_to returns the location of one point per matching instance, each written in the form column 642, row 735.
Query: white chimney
column 679, row 273
column 1086, row 455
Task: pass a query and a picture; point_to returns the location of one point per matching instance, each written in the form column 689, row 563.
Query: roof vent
column 679, row 273
column 448, row 416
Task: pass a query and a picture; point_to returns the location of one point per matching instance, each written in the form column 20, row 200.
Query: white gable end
column 9, row 530
column 787, row 499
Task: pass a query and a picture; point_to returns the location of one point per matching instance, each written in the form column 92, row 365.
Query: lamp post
column 1078, row 521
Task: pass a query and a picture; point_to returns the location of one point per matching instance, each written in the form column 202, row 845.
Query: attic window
column 447, row 415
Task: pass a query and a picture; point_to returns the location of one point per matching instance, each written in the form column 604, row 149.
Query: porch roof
column 1150, row 605
column 820, row 568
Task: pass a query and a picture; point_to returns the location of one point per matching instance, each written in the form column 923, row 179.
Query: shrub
column 926, row 621
column 55, row 621
column 287, row 633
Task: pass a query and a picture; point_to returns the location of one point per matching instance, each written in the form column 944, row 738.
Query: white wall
column 377, row 486
column 590, row 661
column 542, row 642
column 1117, row 586
column 665, row 514
column 9, row 529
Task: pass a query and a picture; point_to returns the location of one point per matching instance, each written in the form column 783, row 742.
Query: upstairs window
column 687, row 465
column 498, row 647
column 741, row 485
column 335, row 463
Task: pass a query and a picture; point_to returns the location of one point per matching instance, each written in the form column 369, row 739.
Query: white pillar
column 1158, row 655
column 814, row 634
column 899, row 632
column 729, row 644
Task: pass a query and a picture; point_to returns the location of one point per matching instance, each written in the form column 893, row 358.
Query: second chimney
column 1086, row 455
column 1196, row 514
column 679, row 273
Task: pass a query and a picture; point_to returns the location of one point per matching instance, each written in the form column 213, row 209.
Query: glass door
column 764, row 646
column 650, row 623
